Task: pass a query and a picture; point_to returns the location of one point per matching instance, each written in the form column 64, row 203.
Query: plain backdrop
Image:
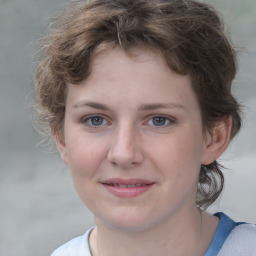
column 39, row 208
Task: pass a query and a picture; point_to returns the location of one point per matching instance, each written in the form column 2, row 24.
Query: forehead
column 115, row 56
column 138, row 77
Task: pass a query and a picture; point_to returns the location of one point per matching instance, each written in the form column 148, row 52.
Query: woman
column 137, row 95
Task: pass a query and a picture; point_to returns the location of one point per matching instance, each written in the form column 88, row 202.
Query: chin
column 136, row 222
column 126, row 222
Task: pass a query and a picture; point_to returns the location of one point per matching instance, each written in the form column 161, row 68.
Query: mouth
column 126, row 185
column 127, row 188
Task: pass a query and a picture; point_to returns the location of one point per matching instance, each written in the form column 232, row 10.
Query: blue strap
column 224, row 228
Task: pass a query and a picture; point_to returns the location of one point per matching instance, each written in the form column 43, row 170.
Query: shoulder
column 241, row 241
column 78, row 246
column 232, row 238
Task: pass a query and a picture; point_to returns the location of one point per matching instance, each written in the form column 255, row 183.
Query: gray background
column 39, row 209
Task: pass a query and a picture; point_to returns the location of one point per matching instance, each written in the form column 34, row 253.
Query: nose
column 125, row 150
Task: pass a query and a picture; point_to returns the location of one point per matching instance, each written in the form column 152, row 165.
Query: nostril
column 124, row 151
column 113, row 163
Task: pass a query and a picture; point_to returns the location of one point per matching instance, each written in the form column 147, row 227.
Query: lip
column 127, row 187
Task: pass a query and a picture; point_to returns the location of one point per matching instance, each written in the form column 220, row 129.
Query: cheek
column 180, row 151
column 85, row 154
column 179, row 158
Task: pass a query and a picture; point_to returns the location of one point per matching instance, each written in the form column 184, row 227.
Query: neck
column 180, row 235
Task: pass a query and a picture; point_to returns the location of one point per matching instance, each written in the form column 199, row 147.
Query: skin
column 133, row 118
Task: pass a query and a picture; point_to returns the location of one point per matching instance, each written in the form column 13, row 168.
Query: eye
column 160, row 121
column 94, row 121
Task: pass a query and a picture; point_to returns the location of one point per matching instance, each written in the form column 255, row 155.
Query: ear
column 60, row 143
column 217, row 141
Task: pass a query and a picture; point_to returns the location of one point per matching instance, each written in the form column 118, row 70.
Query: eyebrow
column 144, row 107
column 154, row 106
column 91, row 104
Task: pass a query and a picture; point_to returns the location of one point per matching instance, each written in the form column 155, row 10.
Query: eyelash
column 87, row 120
column 164, row 118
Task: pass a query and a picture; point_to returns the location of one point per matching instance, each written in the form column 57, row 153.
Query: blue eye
column 160, row 121
column 94, row 121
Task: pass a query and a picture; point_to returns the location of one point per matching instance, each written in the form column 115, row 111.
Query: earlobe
column 60, row 143
column 217, row 141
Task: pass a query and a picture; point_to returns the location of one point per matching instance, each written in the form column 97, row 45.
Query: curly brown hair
column 189, row 35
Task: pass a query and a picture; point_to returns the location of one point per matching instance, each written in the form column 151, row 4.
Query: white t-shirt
column 230, row 239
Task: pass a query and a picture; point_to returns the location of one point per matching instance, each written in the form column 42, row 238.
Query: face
column 133, row 140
